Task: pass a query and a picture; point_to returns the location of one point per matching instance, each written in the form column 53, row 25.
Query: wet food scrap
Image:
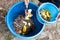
column 45, row 14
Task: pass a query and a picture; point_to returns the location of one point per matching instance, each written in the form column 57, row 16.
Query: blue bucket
column 18, row 9
column 51, row 8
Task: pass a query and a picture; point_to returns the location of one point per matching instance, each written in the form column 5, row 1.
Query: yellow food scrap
column 45, row 17
column 24, row 28
column 20, row 31
column 48, row 14
column 29, row 24
column 45, row 14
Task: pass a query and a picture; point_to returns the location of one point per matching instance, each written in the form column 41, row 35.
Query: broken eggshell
column 51, row 8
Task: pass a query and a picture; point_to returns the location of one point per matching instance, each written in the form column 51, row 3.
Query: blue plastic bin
column 53, row 11
column 18, row 9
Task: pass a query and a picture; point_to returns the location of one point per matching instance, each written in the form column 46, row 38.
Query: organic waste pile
column 45, row 14
column 24, row 24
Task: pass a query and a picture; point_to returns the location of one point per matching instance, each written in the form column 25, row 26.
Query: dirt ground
column 51, row 31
